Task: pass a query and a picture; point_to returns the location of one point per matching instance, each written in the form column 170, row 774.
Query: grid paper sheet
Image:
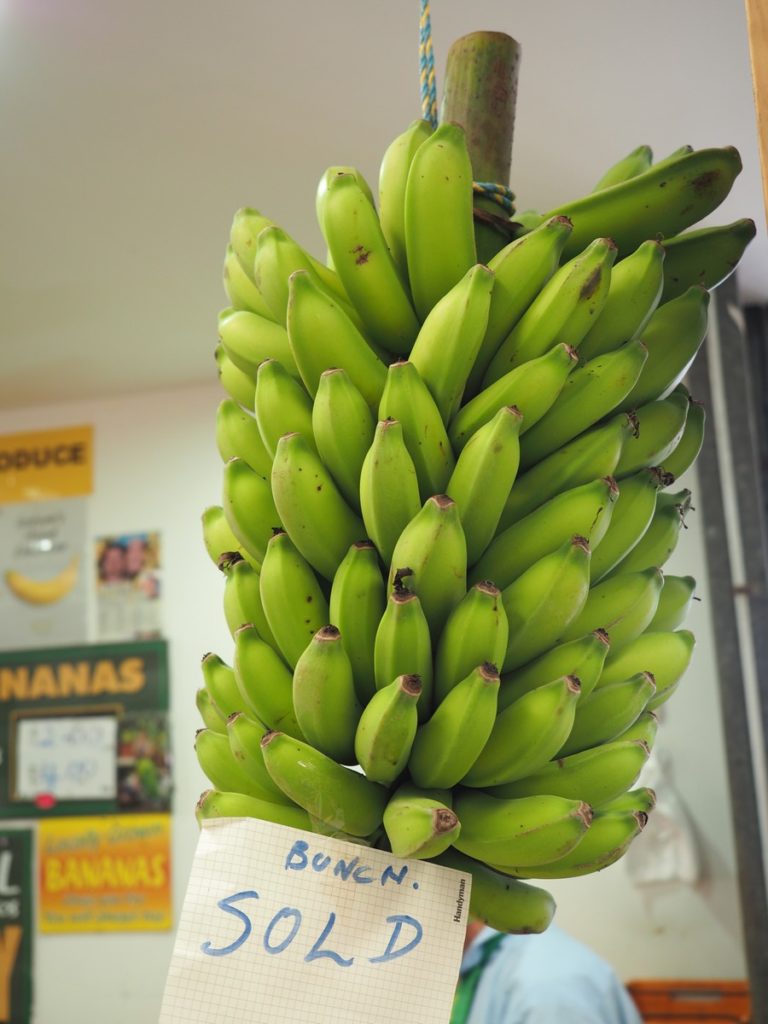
column 284, row 925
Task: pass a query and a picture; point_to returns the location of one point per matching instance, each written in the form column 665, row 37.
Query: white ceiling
column 132, row 131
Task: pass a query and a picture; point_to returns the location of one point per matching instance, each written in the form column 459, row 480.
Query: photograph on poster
column 128, row 586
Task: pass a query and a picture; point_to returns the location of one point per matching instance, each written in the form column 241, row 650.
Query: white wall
column 157, row 468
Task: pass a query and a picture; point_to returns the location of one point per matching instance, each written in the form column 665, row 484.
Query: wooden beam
column 757, row 30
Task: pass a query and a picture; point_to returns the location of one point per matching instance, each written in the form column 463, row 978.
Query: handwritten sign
column 284, row 925
column 66, row 757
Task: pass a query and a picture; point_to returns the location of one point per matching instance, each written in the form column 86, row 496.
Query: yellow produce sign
column 105, row 874
column 46, row 464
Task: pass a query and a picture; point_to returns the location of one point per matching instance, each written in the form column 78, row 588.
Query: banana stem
column 480, row 93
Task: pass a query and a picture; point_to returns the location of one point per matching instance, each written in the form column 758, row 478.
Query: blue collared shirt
column 546, row 979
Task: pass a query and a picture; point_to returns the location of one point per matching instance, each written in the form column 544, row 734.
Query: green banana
column 672, row 609
column 215, row 804
column 362, row 259
column 219, row 679
column 393, row 178
column 247, row 224
column 450, row 337
column 249, row 339
column 643, row 728
column 563, row 311
column 595, row 776
column 389, row 487
column 265, row 682
column 543, row 605
column 439, row 221
column 282, row 406
column 242, row 597
column 673, row 336
column 660, row 539
column 664, row 200
column 238, row 385
column 210, row 714
column 386, row 730
column 635, row 292
column 310, row 506
column 505, row 904
column 632, row 516
column 634, row 163
column 447, row 745
column 527, row 734
column 608, row 712
column 220, row 766
column 665, row 655
column 248, row 507
column 240, row 288
column 403, row 646
column 357, row 603
column 583, row 658
column 407, row 398
column 338, row 796
column 420, row 823
column 532, row 388
column 324, row 698
column 529, row 830
column 245, row 734
column 294, row 604
column 586, row 510
column 691, row 440
column 475, row 632
column 521, row 270
column 591, row 392
column 343, row 426
column 642, row 799
column 323, row 185
column 218, row 538
column 623, row 605
column 660, row 427
column 483, row 477
column 322, row 336
column 277, row 257
column 595, row 453
column 237, row 436
column 705, row 257
column 606, row 841
column 433, row 548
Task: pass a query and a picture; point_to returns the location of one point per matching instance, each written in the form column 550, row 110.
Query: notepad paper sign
column 282, row 926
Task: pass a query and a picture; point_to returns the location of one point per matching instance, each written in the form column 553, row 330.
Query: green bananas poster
column 15, row 926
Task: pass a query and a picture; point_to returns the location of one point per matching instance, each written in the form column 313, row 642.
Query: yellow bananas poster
column 105, row 874
column 44, row 478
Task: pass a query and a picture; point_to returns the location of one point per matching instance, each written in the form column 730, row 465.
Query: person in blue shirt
column 537, row 979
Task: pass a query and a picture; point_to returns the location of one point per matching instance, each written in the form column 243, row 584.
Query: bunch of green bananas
column 446, row 508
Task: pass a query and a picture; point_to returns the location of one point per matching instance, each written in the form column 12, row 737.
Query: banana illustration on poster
column 44, row 479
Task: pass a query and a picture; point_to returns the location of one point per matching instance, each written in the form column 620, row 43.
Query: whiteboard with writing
column 67, row 757
column 284, row 925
